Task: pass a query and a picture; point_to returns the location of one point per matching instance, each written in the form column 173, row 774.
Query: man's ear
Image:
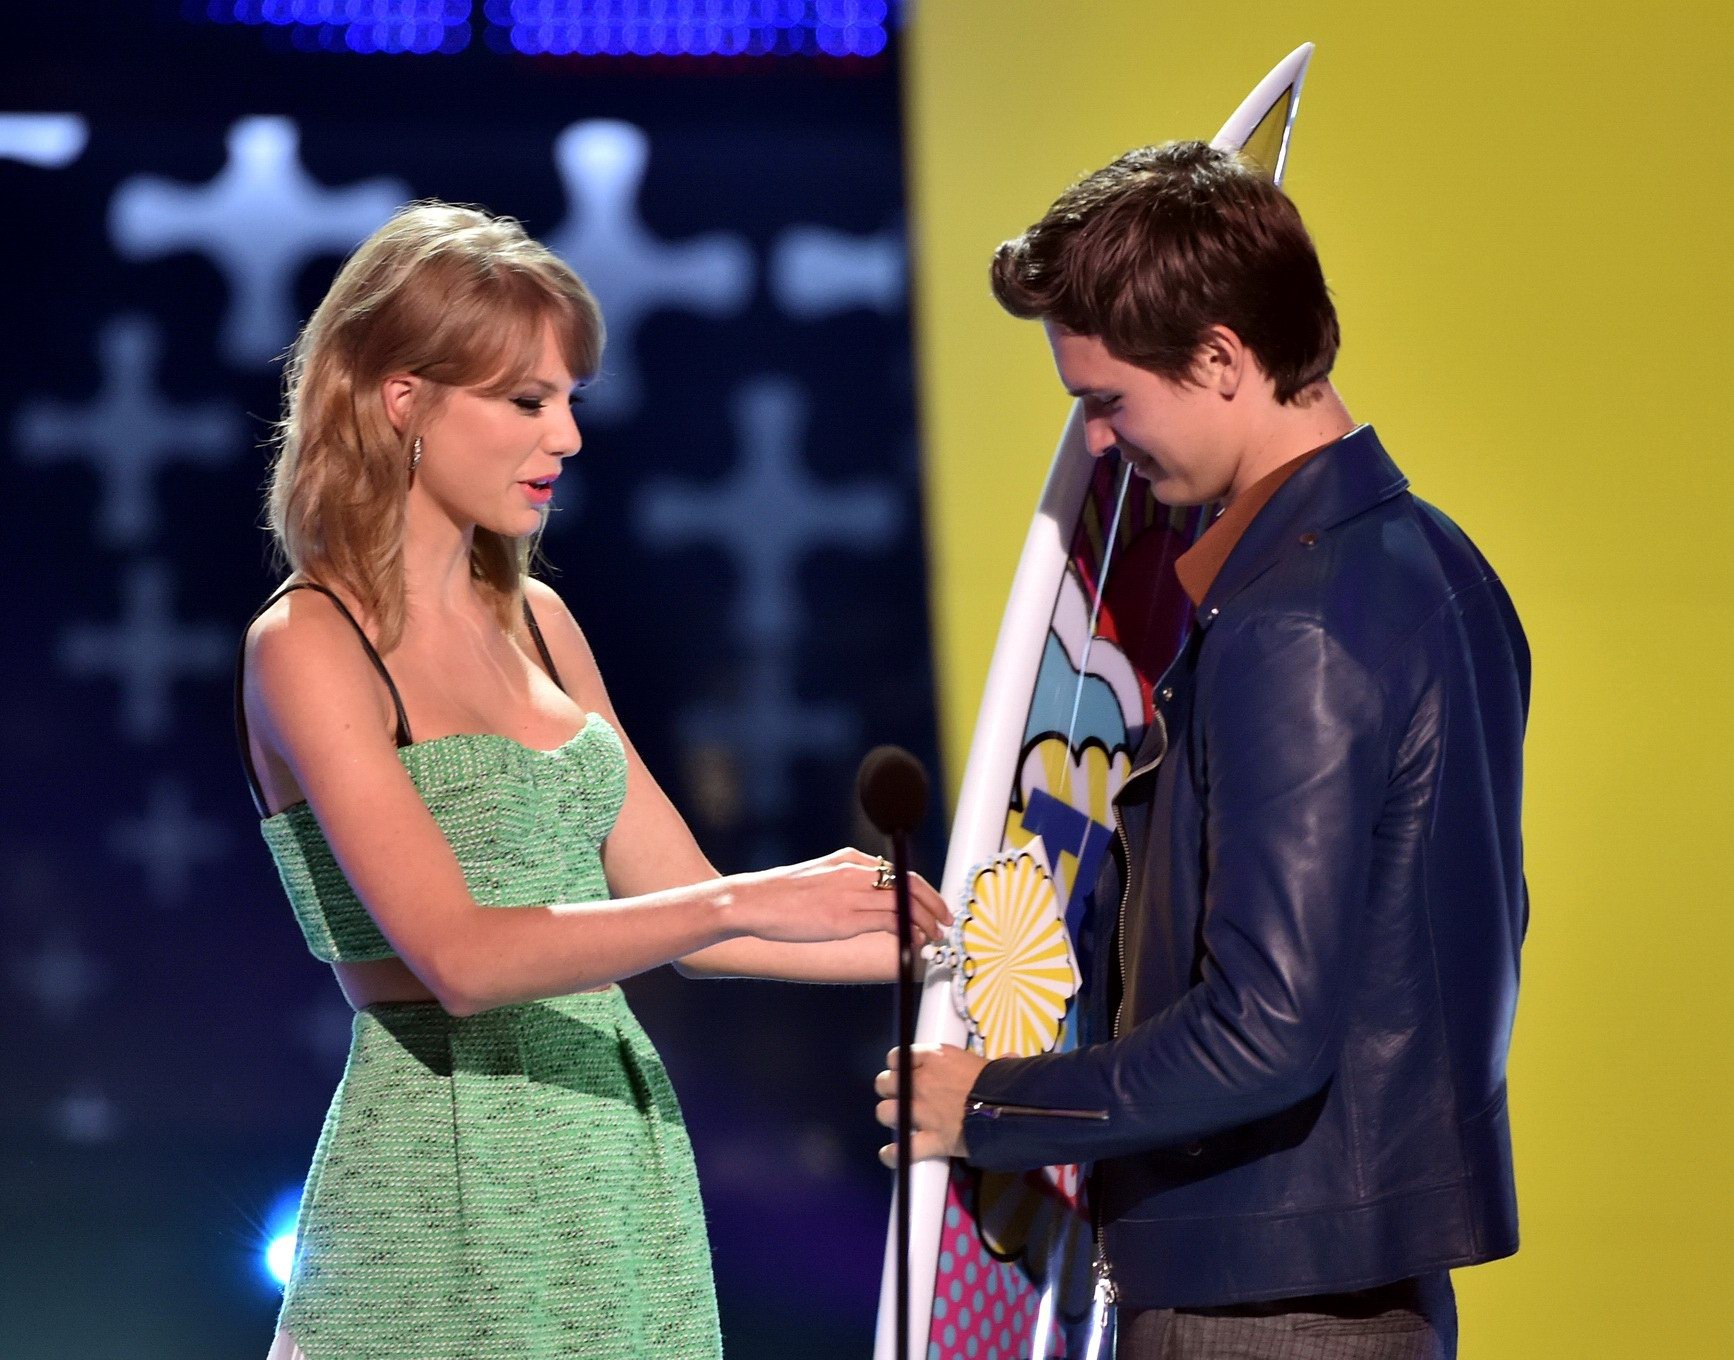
column 400, row 392
column 1221, row 362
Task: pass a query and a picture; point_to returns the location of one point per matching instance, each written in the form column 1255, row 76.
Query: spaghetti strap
column 241, row 734
column 541, row 645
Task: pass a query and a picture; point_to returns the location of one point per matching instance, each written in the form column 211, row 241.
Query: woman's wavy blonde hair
column 451, row 294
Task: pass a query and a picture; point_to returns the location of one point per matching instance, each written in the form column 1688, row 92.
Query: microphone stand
column 892, row 787
column 906, row 1001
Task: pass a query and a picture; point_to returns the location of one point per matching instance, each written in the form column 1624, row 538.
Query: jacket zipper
column 990, row 1109
column 1107, row 1293
column 1126, row 888
column 1120, row 925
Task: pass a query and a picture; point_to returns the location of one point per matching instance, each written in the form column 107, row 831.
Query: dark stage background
column 740, row 539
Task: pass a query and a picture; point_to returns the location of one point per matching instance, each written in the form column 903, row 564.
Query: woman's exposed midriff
column 385, row 980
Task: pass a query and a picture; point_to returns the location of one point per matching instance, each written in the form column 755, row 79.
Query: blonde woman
column 503, row 1171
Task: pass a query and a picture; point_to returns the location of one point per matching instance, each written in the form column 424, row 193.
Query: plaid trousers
column 1410, row 1320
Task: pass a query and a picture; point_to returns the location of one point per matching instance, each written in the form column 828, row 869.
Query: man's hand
column 943, row 1078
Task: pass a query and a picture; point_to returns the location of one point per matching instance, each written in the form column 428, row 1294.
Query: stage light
column 277, row 1245
column 279, row 1255
column 693, row 28
column 47, row 139
column 395, row 26
column 613, row 28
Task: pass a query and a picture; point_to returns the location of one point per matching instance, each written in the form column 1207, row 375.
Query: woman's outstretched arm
column 651, row 849
column 318, row 707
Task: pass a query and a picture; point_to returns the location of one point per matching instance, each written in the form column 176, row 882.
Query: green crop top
column 526, row 825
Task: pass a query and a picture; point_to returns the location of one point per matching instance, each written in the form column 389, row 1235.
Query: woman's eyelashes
column 533, row 405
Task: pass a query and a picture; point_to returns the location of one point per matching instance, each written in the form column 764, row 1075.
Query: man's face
column 1177, row 436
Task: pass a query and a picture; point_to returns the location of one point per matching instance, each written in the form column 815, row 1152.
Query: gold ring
column 887, row 876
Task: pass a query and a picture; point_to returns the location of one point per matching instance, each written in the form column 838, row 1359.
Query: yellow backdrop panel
column 1523, row 211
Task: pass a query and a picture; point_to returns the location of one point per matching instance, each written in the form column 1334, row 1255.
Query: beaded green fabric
column 526, row 826
column 512, row 1184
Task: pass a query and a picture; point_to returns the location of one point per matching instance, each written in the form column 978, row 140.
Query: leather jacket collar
column 1350, row 477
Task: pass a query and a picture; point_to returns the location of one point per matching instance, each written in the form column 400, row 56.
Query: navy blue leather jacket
column 1311, row 989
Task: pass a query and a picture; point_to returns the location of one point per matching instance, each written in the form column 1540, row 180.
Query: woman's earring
column 414, row 454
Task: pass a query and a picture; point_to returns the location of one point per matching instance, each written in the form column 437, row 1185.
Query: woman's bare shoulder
column 569, row 648
column 558, row 625
column 303, row 657
column 546, row 601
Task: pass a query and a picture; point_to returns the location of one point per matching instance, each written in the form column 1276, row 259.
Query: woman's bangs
column 503, row 348
column 509, row 334
column 578, row 326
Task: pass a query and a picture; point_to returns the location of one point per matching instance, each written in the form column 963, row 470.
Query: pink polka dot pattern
column 983, row 1309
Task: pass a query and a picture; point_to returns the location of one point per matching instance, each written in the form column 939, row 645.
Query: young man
column 1299, row 1125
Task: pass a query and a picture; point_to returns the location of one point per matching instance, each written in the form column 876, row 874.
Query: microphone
column 892, row 787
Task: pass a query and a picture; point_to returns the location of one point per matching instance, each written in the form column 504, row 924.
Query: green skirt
column 512, row 1184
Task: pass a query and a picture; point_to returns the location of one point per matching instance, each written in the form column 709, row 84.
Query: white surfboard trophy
column 1000, row 1265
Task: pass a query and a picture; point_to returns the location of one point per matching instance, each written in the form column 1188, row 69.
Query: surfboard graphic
column 1000, row 1264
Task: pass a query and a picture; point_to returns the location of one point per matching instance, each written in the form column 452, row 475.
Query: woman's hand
column 833, row 898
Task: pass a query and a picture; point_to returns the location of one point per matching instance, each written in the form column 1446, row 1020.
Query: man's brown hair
column 1149, row 252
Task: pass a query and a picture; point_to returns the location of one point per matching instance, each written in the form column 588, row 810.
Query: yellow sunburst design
column 1017, row 974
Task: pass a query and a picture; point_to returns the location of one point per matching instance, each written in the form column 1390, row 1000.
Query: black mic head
column 892, row 787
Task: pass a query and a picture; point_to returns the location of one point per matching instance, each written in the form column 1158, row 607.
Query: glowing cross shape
column 60, row 977
column 128, row 431
column 146, row 650
column 765, row 726
column 816, row 272
column 602, row 165
column 169, row 841
column 767, row 517
column 259, row 221
column 771, row 513
column 85, row 1115
column 49, row 140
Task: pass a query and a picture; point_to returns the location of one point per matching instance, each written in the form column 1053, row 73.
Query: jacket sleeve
column 1293, row 765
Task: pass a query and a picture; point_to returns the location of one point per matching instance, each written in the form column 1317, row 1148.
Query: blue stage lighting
column 692, row 28
column 588, row 28
column 279, row 1255
column 412, row 26
column 277, row 1247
